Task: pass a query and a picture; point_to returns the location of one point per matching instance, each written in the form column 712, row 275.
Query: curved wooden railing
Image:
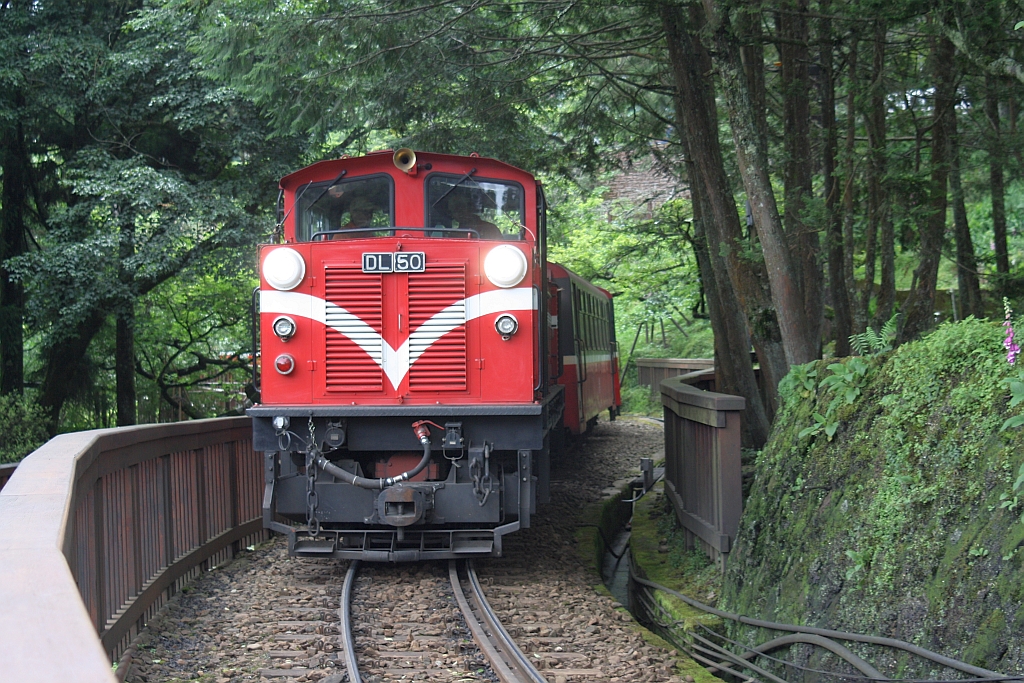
column 703, row 479
column 98, row 529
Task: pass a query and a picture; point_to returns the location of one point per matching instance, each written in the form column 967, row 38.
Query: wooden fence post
column 703, row 479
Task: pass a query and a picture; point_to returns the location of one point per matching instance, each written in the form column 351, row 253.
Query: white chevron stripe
column 396, row 362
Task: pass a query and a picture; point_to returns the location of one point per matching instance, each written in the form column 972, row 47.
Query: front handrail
column 391, row 229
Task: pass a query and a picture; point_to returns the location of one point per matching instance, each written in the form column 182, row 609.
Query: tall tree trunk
column 732, row 358
column 879, row 215
column 13, row 242
column 752, row 55
column 920, row 305
column 797, row 332
column 739, row 287
column 887, row 242
column 62, row 358
column 124, row 352
column 968, row 286
column 830, row 188
column 802, row 236
column 997, row 189
column 696, row 110
column 850, row 187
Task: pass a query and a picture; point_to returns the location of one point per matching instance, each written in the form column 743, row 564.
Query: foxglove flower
column 1012, row 349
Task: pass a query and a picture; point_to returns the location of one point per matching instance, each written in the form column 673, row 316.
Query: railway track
column 379, row 646
column 269, row 616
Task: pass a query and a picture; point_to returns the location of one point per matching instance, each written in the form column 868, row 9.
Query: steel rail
column 505, row 657
column 494, row 623
column 345, row 624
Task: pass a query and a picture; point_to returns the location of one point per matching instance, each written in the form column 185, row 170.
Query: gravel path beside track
column 266, row 616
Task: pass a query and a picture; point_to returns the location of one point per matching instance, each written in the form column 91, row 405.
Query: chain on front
column 312, row 498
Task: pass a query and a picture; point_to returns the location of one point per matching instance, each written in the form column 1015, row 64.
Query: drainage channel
column 615, row 568
column 616, row 560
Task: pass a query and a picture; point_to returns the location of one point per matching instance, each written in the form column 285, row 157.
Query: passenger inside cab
column 329, row 209
column 494, row 209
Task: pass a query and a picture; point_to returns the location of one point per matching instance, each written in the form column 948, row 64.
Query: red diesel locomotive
column 419, row 357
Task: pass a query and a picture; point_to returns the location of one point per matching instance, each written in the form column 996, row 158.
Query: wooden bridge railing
column 98, row 529
column 651, row 371
column 703, row 479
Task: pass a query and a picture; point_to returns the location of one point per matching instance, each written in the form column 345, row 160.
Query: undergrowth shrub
column 637, row 400
column 22, row 428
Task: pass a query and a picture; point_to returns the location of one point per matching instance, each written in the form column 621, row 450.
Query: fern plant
column 870, row 342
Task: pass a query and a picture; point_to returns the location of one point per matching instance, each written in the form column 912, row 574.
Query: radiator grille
column 437, row 316
column 347, row 366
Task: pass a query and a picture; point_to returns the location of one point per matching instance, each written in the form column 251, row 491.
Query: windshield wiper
column 452, row 188
column 324, row 191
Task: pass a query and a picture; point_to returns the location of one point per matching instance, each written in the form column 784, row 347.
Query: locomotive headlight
column 284, row 268
column 506, row 325
column 505, row 266
column 284, row 327
column 281, row 423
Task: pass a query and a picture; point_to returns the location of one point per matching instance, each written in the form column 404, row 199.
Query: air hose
column 424, row 436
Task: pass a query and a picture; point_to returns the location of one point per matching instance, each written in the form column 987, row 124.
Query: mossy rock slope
column 896, row 526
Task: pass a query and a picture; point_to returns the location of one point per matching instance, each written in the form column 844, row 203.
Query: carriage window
column 493, row 208
column 344, row 206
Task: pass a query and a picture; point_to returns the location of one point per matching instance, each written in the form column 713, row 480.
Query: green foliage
column 847, row 379
column 645, row 261
column 846, row 383
column 638, row 400
column 870, row 342
column 1010, row 500
column 800, row 383
column 22, row 428
column 193, row 342
column 822, row 423
column 1016, row 387
column 857, row 563
column 142, row 167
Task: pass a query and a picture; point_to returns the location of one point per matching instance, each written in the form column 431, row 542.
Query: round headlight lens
column 505, row 266
column 506, row 325
column 284, row 327
column 284, row 268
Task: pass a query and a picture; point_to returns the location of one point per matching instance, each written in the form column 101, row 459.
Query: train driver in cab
column 462, row 207
column 360, row 211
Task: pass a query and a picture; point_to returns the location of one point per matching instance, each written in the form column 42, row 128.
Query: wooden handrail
column 703, row 479
column 98, row 528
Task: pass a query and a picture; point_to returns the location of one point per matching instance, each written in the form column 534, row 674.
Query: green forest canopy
column 837, row 162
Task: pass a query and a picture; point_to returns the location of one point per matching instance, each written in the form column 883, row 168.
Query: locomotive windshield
column 345, row 206
column 494, row 208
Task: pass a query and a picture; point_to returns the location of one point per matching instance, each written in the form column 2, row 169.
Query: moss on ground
column 659, row 549
column 895, row 526
column 611, row 515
